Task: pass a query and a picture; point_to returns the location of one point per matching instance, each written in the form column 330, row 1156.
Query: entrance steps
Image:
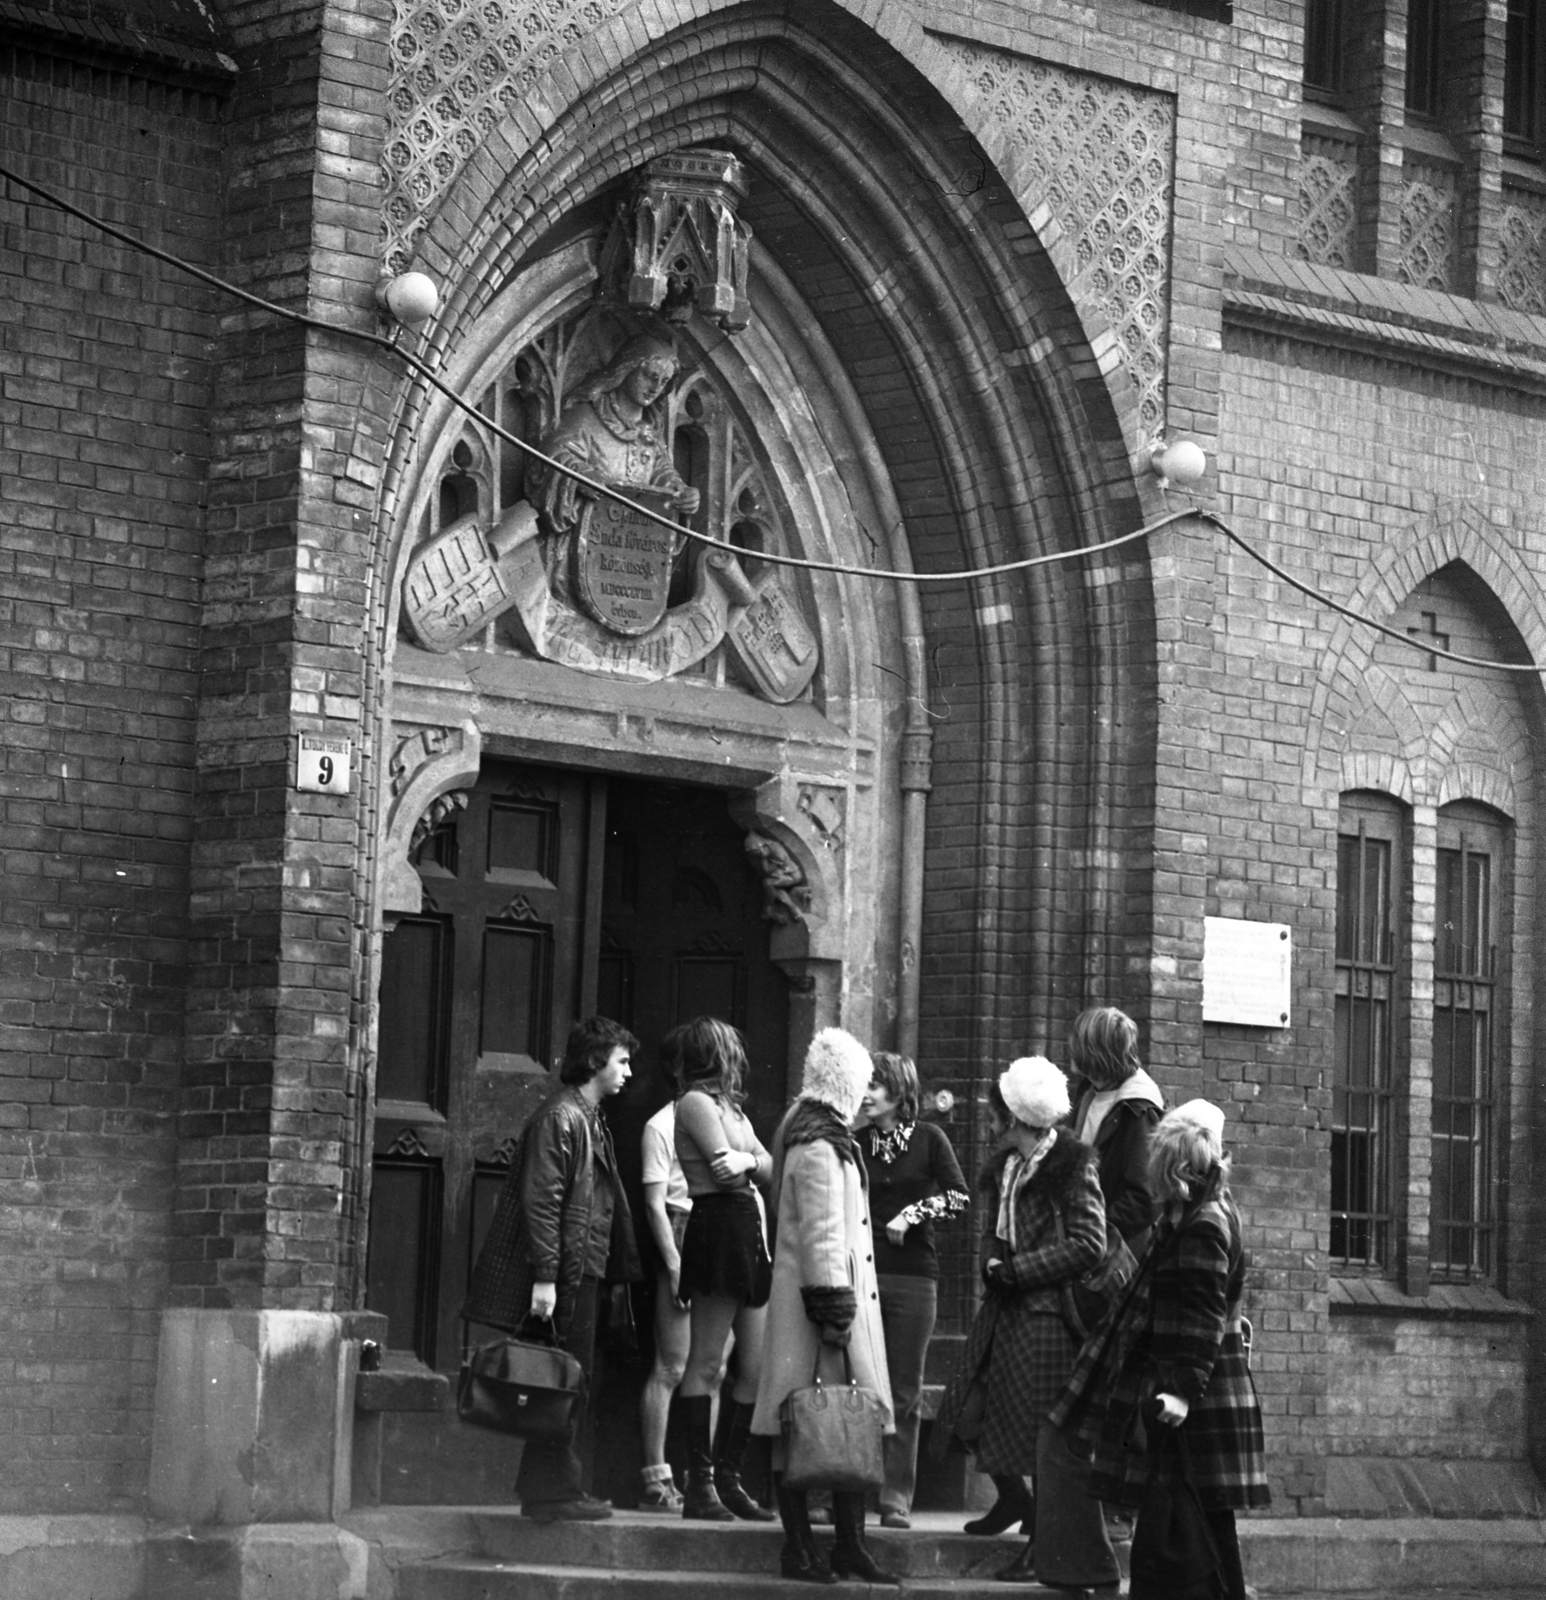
column 425, row 1553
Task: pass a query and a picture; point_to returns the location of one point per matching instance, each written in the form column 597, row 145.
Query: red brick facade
column 207, row 514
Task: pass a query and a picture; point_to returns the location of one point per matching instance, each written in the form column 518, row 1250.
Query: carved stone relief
column 546, row 565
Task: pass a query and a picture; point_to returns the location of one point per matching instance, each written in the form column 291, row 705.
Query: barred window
column 1423, row 22
column 1466, row 1015
column 1523, row 77
column 1325, row 30
column 1369, row 839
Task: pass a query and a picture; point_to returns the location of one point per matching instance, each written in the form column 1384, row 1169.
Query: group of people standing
column 822, row 1248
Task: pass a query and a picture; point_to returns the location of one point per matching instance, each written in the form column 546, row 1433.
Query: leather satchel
column 1086, row 1299
column 832, row 1433
column 525, row 1386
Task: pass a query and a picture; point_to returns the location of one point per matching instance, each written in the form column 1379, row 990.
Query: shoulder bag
column 1086, row 1299
column 832, row 1433
column 1174, row 1554
column 524, row 1385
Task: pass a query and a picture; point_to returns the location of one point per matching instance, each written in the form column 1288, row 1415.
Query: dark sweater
column 925, row 1176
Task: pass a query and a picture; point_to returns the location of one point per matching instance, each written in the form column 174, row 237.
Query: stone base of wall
column 1385, row 1486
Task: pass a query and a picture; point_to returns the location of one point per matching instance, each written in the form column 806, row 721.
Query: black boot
column 851, row 1556
column 1014, row 1504
column 799, row 1559
column 1023, row 1568
column 735, row 1429
column 699, row 1502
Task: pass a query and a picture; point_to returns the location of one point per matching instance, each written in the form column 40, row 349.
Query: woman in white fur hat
column 1044, row 1226
column 824, row 1297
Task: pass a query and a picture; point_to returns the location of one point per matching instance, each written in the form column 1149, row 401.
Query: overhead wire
column 607, row 492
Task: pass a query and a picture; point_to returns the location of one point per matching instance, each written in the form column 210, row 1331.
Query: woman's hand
column 1173, row 1409
column 896, row 1229
column 674, row 1275
column 544, row 1300
column 727, row 1165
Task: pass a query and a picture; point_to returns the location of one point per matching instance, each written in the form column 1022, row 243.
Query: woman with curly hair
column 725, row 1270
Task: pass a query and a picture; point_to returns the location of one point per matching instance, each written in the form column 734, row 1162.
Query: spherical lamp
column 1181, row 463
column 410, row 297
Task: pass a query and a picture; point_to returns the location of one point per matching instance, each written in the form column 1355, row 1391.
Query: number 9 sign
column 322, row 765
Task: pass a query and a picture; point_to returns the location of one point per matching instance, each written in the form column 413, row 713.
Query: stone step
column 1437, row 1559
column 482, row 1579
column 637, row 1541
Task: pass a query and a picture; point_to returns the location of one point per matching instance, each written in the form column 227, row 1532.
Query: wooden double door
column 550, row 895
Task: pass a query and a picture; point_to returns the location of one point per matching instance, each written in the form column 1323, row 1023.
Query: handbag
column 832, row 1433
column 525, row 1385
column 1174, row 1555
column 1088, row 1298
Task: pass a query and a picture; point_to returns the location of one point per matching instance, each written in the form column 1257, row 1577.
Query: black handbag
column 526, row 1386
column 832, row 1433
column 1174, row 1556
column 1088, row 1298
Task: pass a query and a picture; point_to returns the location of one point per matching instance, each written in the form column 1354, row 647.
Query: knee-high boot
column 699, row 1502
column 799, row 1558
column 851, row 1556
column 730, row 1441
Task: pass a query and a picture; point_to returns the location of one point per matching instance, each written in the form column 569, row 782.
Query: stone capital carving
column 427, row 763
column 811, row 923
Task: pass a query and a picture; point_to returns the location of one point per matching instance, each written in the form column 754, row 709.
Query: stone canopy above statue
column 597, row 572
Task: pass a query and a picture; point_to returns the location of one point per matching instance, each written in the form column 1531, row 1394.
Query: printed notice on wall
column 1246, row 971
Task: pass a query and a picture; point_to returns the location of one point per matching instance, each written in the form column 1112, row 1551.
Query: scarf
column 1018, row 1171
column 886, row 1147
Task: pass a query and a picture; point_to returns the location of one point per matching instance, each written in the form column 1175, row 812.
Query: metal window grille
column 1522, row 76
column 1464, row 1013
column 1324, row 55
column 1423, row 19
column 1361, row 1087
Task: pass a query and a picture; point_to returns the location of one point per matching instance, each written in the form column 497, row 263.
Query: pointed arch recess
column 989, row 394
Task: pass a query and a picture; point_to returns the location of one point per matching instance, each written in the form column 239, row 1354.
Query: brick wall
column 1408, row 1388
column 104, row 391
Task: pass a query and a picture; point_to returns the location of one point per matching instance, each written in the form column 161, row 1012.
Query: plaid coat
column 1018, row 1340
column 1177, row 1331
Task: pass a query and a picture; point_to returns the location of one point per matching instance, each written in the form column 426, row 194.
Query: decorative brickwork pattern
column 459, row 68
column 1522, row 250
column 1429, row 203
column 1328, row 191
column 1107, row 152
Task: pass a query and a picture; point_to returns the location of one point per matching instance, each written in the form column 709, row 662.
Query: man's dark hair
column 591, row 1042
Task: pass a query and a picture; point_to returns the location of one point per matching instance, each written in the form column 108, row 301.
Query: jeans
column 1073, row 1549
column 907, row 1308
column 550, row 1469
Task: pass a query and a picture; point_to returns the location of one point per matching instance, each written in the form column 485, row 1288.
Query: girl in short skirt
column 726, row 1273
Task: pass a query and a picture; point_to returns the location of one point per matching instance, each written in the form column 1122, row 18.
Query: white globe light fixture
column 410, row 297
column 1181, row 463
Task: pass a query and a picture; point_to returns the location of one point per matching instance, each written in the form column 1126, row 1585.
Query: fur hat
column 1035, row 1091
column 837, row 1072
column 1202, row 1114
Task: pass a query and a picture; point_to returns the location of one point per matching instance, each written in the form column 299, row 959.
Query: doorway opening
column 549, row 894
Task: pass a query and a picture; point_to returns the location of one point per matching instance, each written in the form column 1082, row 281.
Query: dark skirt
column 723, row 1252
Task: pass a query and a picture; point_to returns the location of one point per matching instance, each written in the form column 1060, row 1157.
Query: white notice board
column 1247, row 968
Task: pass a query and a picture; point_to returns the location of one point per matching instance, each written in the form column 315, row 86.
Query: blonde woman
column 1175, row 1352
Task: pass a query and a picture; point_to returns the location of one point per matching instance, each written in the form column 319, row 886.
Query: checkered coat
column 1177, row 1332
column 1018, row 1340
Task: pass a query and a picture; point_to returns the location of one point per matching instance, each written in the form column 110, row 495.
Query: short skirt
column 724, row 1252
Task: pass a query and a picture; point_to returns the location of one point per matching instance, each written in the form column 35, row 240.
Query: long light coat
column 823, row 1241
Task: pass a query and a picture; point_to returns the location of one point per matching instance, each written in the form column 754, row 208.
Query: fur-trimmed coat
column 1177, row 1332
column 1018, row 1340
column 823, row 1242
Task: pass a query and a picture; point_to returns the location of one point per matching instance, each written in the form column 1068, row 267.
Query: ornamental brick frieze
column 459, row 68
column 1104, row 156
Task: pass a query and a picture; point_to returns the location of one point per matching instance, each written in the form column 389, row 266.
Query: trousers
column 1073, row 1549
column 907, row 1312
column 550, row 1469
